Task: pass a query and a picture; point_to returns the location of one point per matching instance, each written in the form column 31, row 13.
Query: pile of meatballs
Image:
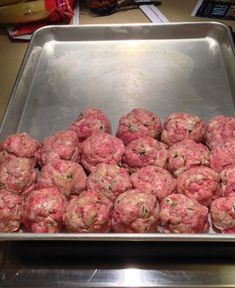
column 150, row 177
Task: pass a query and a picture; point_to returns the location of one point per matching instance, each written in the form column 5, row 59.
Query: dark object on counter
column 107, row 7
column 103, row 7
column 217, row 9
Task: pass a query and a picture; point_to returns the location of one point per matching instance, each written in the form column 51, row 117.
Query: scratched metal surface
column 199, row 276
column 43, row 264
column 163, row 68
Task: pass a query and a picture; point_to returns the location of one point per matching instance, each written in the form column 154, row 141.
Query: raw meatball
column 67, row 176
column 88, row 212
column 62, row 145
column 20, row 145
column 137, row 124
column 200, row 183
column 145, row 151
column 228, row 180
column 101, row 148
column 89, row 121
column 43, row 211
column 10, row 211
column 185, row 155
column 181, row 126
column 110, row 180
column 5, row 156
column 223, row 213
column 181, row 214
column 18, row 175
column 135, row 212
column 219, row 129
column 223, row 155
column 155, row 180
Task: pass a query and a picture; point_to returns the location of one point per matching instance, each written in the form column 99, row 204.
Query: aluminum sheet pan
column 164, row 68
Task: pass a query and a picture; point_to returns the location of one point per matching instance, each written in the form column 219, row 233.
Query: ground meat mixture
column 228, row 180
column 62, row 145
column 5, row 156
column 20, row 145
column 223, row 155
column 200, row 183
column 88, row 212
column 89, row 121
column 110, row 180
column 43, row 211
column 135, row 212
column 137, row 124
column 86, row 180
column 67, row 176
column 185, row 155
column 155, row 180
column 10, row 211
column 18, row 175
column 101, row 148
column 223, row 213
column 181, row 214
column 145, row 151
column 220, row 129
column 181, row 126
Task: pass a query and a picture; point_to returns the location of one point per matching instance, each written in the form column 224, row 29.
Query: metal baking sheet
column 165, row 68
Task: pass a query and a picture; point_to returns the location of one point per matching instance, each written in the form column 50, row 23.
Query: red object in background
column 61, row 10
column 61, row 13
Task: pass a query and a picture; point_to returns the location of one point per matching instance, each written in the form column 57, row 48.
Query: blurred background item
column 24, row 17
column 107, row 7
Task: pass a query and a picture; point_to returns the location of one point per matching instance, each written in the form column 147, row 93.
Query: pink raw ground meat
column 155, row 180
column 181, row 126
column 228, row 180
column 137, row 124
column 200, row 183
column 220, row 129
column 67, row 176
column 223, row 155
column 181, row 214
column 223, row 213
column 10, row 211
column 185, row 155
column 62, row 145
column 5, row 156
column 18, row 175
column 89, row 121
column 20, row 145
column 101, row 148
column 145, row 151
column 43, row 211
column 88, row 212
column 135, row 212
column 110, row 180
